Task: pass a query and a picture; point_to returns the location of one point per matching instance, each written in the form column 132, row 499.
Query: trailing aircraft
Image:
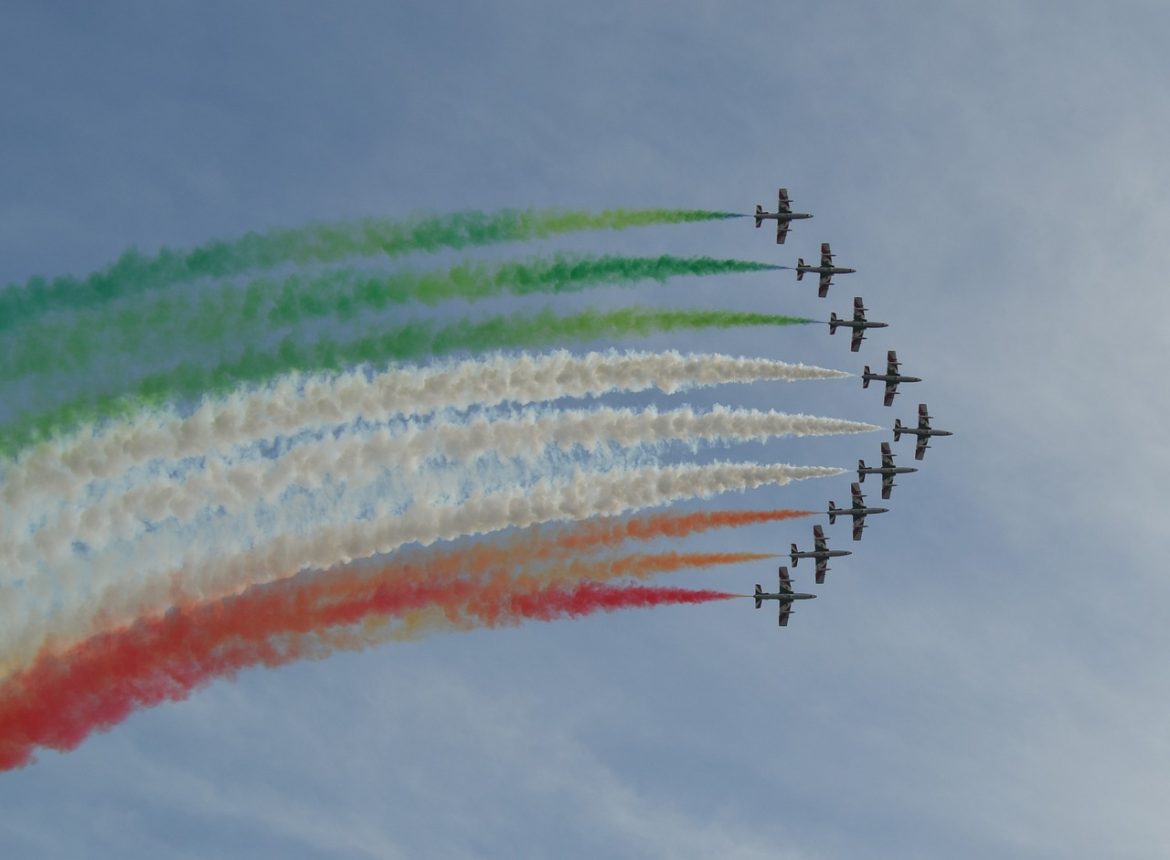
column 859, row 511
column 924, row 431
column 785, row 595
column 887, row 470
column 891, row 377
column 820, row 552
column 859, row 324
column 783, row 215
column 826, row 269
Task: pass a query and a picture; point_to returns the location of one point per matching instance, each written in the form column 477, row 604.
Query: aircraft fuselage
column 828, row 553
column 858, row 512
column 887, row 470
column 789, row 597
column 825, row 270
column 782, row 216
column 891, row 377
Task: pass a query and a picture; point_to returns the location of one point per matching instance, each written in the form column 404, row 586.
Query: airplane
column 891, row 377
column 923, row 432
column 783, row 216
column 785, row 596
column 859, row 511
column 826, row 269
column 859, row 324
column 887, row 470
column 820, row 552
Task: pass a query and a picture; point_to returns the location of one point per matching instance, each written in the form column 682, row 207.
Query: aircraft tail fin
column 799, row 268
column 759, row 600
column 834, row 321
column 759, row 214
column 865, row 377
column 795, row 557
column 897, row 429
column 861, row 473
column 832, row 513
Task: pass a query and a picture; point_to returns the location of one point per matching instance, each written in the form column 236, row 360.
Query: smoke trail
column 231, row 314
column 409, row 342
column 536, row 544
column 60, row 470
column 168, row 569
column 134, row 273
column 61, row 699
column 235, row 485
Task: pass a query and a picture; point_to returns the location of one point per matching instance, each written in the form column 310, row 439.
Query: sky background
column 984, row 677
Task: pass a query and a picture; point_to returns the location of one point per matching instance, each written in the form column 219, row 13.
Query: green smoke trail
column 227, row 314
column 134, row 273
column 408, row 342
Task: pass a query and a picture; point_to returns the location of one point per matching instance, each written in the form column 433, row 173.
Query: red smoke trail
column 610, row 532
column 533, row 544
column 548, row 604
column 61, row 699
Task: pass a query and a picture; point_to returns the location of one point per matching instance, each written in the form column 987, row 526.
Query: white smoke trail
column 233, row 485
column 78, row 613
column 61, row 469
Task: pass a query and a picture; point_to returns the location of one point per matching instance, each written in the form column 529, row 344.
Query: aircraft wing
column 826, row 254
column 819, row 539
column 891, row 391
column 887, row 456
column 855, row 341
column 920, row 448
column 822, row 566
column 887, row 485
column 785, row 611
column 784, row 205
column 781, row 230
column 858, row 498
column 826, row 279
column 923, row 417
column 892, row 363
column 858, row 309
column 785, row 581
column 858, row 526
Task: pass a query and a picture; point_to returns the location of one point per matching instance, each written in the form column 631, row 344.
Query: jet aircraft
column 859, row 324
column 891, row 377
column 826, row 269
column 923, row 432
column 859, row 511
column 783, row 215
column 887, row 470
column 785, row 596
column 820, row 552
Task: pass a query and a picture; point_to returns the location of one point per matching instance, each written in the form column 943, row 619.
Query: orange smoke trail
column 59, row 700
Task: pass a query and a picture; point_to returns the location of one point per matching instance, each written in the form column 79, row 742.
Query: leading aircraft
column 859, row 324
column 891, row 377
column 826, row 269
column 785, row 595
column 783, row 215
column 887, row 470
column 924, row 431
column 820, row 552
column 859, row 511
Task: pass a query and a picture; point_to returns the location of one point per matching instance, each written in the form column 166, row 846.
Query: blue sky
column 984, row 677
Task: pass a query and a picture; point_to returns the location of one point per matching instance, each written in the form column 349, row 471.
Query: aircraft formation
column 820, row 554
